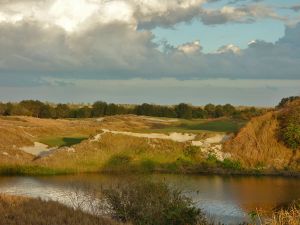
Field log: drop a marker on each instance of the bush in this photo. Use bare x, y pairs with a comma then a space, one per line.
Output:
152, 203
289, 131
148, 165
291, 135
231, 164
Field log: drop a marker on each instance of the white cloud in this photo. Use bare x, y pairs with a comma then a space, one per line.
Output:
231, 48
100, 39
242, 14
190, 48
76, 14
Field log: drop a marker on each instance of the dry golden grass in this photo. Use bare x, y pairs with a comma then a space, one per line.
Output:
16, 132
288, 215
90, 156
285, 217
24, 211
257, 145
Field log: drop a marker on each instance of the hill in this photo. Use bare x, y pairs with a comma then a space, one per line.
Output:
261, 144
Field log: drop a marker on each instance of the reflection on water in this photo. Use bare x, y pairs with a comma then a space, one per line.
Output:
228, 199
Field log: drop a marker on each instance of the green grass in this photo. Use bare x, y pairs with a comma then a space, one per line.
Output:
62, 141
226, 125
200, 126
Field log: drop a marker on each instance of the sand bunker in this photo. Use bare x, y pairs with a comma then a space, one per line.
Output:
209, 146
178, 137
38, 149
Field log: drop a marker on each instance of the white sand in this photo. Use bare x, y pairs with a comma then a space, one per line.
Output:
219, 138
178, 137
38, 149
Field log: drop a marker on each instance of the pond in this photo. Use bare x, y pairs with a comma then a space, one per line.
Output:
228, 199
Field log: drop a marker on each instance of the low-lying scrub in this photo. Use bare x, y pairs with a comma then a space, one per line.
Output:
152, 203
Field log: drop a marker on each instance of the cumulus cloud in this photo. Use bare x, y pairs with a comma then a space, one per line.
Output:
98, 39
242, 14
190, 48
75, 14
231, 48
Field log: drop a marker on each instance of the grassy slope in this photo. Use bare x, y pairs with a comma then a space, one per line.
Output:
257, 145
125, 153
23, 211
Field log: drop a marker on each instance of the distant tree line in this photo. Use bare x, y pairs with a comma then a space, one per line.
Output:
40, 109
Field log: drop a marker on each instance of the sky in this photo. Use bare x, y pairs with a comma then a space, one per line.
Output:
243, 52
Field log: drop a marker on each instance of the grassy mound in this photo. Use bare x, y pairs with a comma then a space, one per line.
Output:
259, 144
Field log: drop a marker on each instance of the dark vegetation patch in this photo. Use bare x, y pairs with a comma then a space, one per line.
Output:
225, 125
289, 122
62, 141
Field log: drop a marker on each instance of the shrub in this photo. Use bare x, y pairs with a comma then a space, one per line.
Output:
152, 203
231, 164
289, 131
148, 165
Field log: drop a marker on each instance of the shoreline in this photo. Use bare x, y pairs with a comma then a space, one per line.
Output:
36, 171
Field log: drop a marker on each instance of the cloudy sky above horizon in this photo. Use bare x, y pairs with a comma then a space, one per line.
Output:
244, 52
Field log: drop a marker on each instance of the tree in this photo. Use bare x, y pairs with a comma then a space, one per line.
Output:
32, 106
198, 112
184, 111
46, 111
84, 112
210, 109
112, 109
99, 109
62, 111
228, 110
219, 111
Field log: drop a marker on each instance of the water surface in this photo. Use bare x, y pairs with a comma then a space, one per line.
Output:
227, 199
